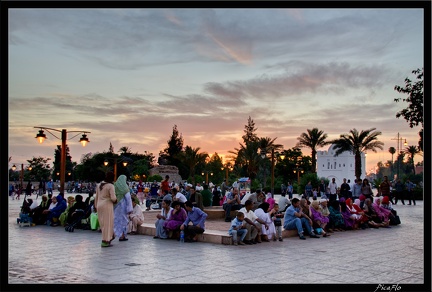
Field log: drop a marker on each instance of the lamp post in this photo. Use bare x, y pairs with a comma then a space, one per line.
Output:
298, 169
206, 175
227, 168
21, 175
399, 142
41, 137
116, 160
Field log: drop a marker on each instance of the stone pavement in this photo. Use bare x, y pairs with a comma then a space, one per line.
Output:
365, 258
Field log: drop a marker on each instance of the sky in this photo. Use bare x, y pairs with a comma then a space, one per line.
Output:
129, 75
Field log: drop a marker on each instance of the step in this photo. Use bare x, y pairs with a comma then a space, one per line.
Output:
217, 212
211, 236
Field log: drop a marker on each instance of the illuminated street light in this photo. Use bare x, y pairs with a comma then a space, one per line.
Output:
122, 159
206, 175
41, 137
399, 141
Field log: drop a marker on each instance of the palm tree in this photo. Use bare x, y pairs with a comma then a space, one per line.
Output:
357, 143
392, 151
191, 158
411, 151
312, 139
246, 157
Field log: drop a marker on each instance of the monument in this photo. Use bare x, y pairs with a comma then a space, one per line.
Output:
164, 170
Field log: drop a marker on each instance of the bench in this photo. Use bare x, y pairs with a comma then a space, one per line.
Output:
212, 236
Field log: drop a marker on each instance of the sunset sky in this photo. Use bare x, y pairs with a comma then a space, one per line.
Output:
129, 75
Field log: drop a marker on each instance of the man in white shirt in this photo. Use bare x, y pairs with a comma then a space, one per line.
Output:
333, 190
177, 196
253, 224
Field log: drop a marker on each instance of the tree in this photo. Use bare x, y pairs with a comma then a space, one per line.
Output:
249, 130
191, 158
411, 151
175, 147
392, 151
413, 114
312, 139
40, 169
266, 146
357, 143
57, 162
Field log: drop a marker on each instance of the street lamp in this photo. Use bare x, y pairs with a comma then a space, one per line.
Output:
21, 175
399, 142
298, 169
41, 137
206, 175
122, 159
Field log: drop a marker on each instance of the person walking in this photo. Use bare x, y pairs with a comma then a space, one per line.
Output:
399, 192
409, 188
104, 206
123, 208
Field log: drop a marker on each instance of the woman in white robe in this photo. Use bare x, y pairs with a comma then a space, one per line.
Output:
262, 213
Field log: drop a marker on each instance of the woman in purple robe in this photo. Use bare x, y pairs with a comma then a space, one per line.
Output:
349, 221
318, 219
177, 218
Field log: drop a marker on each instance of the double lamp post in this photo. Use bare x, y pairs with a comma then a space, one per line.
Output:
41, 137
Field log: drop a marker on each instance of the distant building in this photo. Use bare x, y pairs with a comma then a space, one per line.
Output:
339, 167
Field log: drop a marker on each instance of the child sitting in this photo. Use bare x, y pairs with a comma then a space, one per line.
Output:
237, 229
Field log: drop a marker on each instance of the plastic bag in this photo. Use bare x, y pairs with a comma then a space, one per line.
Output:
94, 222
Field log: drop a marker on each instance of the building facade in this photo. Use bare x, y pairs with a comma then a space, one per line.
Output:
339, 167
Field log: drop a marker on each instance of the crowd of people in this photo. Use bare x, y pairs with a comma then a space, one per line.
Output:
258, 219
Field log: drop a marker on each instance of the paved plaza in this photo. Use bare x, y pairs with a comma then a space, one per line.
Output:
369, 260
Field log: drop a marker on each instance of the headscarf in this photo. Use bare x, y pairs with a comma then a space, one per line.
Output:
362, 197
342, 200
357, 202
121, 187
348, 201
135, 199
385, 200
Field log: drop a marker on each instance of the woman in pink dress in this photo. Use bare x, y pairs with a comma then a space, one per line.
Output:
104, 206
177, 218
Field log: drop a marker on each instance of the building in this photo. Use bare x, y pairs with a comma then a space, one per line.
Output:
339, 167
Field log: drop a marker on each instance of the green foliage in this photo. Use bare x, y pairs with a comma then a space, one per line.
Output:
304, 179
413, 114
155, 177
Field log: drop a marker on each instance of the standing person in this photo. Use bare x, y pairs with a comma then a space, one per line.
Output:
216, 197
384, 188
399, 192
322, 189
224, 187
333, 190
165, 185
344, 189
104, 206
28, 190
197, 217
290, 190
207, 196
140, 192
366, 189
356, 189
41, 188
308, 190
409, 188
49, 186
123, 207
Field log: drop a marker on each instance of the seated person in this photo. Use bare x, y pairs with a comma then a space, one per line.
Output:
262, 213
375, 221
53, 213
386, 204
253, 224
283, 202
197, 217
349, 221
318, 219
164, 215
178, 196
232, 202
295, 219
257, 198
77, 211
337, 221
357, 214
136, 218
237, 229
64, 215
178, 216
269, 199
383, 213
38, 217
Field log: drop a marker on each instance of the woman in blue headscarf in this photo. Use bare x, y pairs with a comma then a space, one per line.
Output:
123, 208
